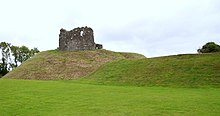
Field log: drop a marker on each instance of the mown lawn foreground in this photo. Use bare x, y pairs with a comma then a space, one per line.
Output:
28, 97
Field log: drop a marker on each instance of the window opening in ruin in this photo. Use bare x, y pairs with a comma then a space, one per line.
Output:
81, 33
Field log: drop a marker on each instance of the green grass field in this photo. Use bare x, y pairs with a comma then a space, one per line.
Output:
112, 83
37, 98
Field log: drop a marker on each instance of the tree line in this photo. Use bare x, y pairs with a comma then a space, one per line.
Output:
12, 56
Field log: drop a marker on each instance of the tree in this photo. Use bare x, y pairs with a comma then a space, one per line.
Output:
24, 54
13, 55
209, 47
34, 51
5, 52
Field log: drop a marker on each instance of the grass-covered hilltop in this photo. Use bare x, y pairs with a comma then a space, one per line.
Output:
106, 83
189, 70
107, 67
59, 65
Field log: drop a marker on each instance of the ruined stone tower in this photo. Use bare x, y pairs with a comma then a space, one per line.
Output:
77, 39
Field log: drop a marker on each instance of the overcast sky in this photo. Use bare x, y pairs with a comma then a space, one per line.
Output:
150, 27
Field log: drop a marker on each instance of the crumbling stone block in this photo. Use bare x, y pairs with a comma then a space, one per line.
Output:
98, 46
77, 39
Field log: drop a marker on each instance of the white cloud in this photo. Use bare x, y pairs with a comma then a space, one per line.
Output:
151, 27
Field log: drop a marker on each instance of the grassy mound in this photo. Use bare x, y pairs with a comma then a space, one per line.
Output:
107, 67
56, 65
179, 70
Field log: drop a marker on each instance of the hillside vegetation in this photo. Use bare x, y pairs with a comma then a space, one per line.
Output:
57, 65
179, 70
107, 67
192, 85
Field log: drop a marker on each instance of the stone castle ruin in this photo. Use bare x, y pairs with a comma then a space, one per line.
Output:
77, 39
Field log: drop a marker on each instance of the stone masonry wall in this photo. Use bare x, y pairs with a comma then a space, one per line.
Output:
77, 39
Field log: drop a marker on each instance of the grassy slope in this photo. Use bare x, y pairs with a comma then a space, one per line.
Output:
180, 70
31, 97
56, 65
